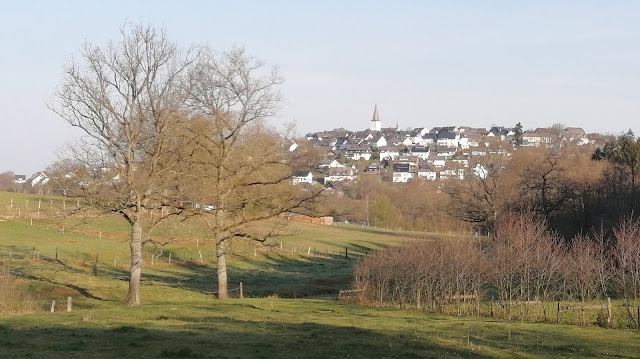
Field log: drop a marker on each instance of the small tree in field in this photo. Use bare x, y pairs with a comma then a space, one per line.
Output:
129, 100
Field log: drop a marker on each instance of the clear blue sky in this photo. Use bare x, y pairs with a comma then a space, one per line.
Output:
425, 63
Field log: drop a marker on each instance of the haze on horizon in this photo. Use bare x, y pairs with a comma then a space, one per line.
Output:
423, 63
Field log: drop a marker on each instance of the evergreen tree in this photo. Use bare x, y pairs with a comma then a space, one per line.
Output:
517, 137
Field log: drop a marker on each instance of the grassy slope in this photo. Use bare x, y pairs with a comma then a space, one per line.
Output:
179, 318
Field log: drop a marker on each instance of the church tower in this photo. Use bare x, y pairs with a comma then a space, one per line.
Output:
376, 125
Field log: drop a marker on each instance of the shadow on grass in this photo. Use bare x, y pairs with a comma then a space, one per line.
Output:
283, 276
221, 338
176, 335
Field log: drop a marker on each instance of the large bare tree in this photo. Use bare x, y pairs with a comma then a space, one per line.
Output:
244, 172
129, 99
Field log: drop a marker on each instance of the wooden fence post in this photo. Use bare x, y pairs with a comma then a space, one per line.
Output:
608, 312
69, 304
241, 292
346, 252
169, 257
200, 253
56, 253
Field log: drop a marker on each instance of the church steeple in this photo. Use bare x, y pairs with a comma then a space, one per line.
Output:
376, 125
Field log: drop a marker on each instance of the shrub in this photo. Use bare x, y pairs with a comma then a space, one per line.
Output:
13, 297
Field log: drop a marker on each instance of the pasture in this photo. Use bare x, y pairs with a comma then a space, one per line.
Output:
289, 309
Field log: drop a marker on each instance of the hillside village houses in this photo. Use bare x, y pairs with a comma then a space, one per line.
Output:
435, 154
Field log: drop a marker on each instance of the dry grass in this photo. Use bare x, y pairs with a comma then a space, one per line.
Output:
14, 298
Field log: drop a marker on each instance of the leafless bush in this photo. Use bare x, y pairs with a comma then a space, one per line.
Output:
13, 298
523, 269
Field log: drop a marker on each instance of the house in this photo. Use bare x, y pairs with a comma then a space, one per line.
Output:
373, 168
501, 132
411, 160
452, 170
401, 173
329, 163
471, 131
389, 152
417, 133
378, 141
427, 172
421, 152
448, 139
461, 159
438, 161
574, 133
40, 178
464, 142
427, 139
447, 151
302, 177
339, 175
356, 152
19, 179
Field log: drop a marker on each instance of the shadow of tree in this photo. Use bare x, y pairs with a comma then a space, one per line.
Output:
215, 337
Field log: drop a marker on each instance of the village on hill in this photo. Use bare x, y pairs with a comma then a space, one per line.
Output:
430, 154
400, 155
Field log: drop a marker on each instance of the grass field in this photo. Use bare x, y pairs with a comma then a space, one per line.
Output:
290, 312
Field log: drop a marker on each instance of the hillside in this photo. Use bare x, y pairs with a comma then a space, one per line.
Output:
180, 317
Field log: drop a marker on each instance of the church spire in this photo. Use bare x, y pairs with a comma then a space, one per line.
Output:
376, 125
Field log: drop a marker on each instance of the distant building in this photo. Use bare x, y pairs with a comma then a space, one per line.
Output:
376, 124
302, 177
19, 179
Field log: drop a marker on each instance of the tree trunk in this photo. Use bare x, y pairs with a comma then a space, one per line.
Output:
133, 297
221, 255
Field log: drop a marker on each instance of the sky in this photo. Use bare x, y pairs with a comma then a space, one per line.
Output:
424, 63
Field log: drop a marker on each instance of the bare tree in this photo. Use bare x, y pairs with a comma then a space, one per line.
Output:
129, 99
244, 172
484, 193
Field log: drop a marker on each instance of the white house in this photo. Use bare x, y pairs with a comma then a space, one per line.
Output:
427, 172
448, 139
421, 152
329, 164
40, 178
427, 139
302, 177
438, 161
447, 151
378, 141
19, 179
389, 152
358, 152
401, 173
339, 175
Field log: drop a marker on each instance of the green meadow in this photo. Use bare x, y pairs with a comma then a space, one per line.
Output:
289, 309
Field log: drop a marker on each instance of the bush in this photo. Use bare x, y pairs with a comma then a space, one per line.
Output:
13, 298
